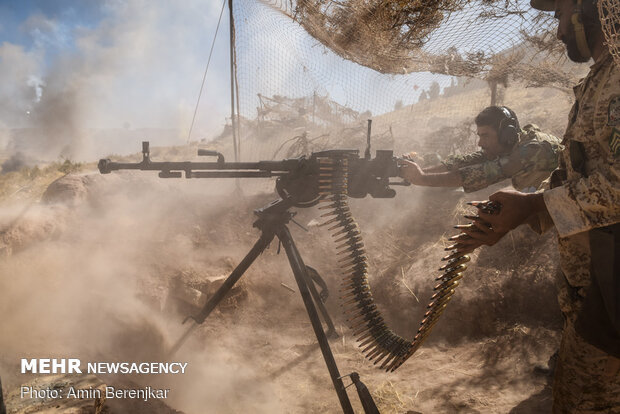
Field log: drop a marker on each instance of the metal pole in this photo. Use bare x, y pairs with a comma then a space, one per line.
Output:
232, 79
301, 276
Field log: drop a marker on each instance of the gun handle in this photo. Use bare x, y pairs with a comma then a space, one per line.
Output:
210, 153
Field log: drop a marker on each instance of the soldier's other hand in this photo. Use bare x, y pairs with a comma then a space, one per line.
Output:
464, 248
482, 233
410, 171
410, 156
464, 243
516, 208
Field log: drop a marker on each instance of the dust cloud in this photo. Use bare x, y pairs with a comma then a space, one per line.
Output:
87, 274
90, 273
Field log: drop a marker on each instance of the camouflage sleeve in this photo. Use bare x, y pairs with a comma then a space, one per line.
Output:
478, 176
454, 162
584, 203
542, 222
526, 156
482, 174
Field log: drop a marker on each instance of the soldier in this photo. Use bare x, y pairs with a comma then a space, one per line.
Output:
527, 156
583, 204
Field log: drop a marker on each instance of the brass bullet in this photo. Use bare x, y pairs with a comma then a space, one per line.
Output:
456, 261
446, 283
451, 256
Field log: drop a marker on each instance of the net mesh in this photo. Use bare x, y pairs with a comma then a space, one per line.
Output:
311, 72
456, 37
609, 12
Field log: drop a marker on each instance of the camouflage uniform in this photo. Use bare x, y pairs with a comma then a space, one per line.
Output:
585, 196
2, 407
529, 163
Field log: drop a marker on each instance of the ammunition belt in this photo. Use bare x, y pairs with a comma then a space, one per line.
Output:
377, 341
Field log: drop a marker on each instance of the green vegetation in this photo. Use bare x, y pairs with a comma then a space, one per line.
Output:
29, 183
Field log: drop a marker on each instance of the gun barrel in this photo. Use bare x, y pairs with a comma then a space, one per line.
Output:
169, 169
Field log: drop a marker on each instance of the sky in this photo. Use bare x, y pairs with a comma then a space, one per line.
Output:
112, 64
69, 67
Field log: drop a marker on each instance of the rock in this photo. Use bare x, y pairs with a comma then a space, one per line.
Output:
185, 299
35, 224
70, 189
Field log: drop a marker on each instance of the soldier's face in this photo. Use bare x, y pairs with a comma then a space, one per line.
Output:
489, 141
564, 10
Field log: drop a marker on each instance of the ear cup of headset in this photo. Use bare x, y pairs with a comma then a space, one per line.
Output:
580, 32
508, 134
509, 129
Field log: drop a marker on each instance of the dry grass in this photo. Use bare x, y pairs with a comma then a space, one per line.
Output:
29, 183
390, 399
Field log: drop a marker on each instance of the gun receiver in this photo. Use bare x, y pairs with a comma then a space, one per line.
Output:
297, 178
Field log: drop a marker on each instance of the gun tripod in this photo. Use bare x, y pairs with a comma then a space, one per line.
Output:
272, 222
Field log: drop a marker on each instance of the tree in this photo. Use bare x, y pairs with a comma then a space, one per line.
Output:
434, 91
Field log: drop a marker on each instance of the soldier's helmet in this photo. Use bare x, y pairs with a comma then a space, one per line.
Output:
544, 5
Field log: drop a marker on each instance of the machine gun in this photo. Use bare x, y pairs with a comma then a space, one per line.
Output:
326, 177
298, 179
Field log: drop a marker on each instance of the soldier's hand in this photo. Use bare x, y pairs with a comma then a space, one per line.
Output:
410, 171
410, 156
474, 235
516, 208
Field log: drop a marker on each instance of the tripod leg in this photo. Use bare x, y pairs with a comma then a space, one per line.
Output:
228, 284
301, 276
331, 329
234, 277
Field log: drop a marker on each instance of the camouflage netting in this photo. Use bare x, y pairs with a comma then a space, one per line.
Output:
310, 73
453, 37
609, 11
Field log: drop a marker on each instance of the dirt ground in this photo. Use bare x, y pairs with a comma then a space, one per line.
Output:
104, 269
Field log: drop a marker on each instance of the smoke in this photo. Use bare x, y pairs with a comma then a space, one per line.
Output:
14, 163
18, 97
87, 278
139, 66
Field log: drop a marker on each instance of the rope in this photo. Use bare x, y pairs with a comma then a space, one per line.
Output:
204, 77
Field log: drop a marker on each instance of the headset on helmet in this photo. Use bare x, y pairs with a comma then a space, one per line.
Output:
508, 133
576, 19
544, 5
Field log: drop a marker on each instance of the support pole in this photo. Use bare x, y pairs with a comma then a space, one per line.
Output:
233, 118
